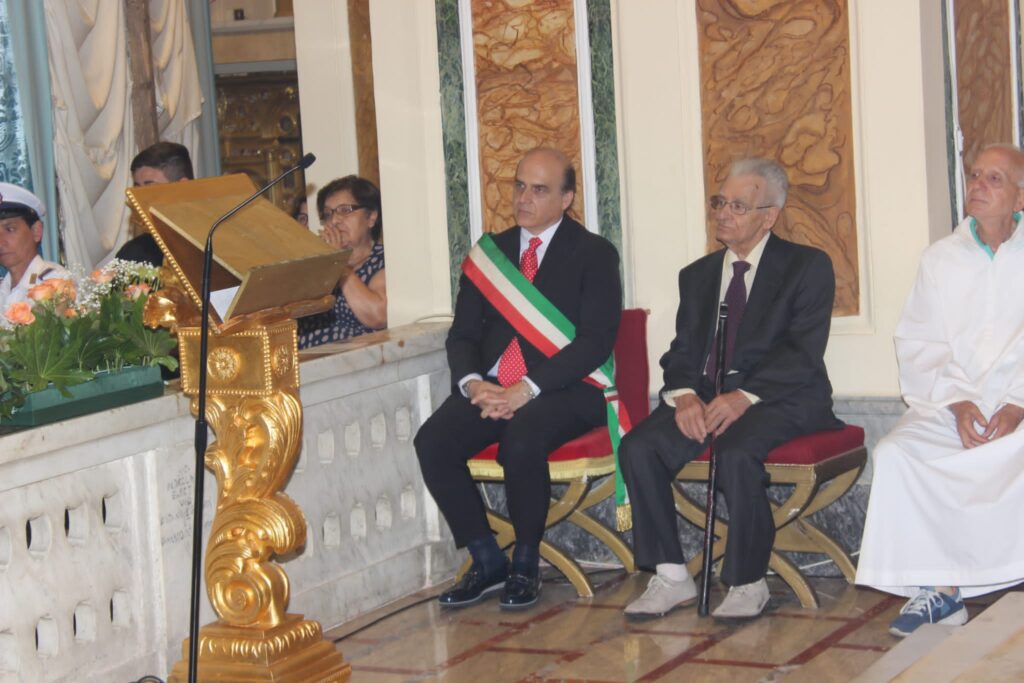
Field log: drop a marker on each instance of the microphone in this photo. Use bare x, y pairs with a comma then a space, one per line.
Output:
201, 426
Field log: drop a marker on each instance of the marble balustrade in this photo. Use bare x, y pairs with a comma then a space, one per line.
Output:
96, 515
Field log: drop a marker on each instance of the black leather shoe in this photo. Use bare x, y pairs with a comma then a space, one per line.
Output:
521, 590
474, 586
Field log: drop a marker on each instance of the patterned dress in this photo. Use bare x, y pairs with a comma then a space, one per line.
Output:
340, 322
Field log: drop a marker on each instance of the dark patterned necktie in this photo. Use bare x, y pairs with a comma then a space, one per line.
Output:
736, 300
512, 366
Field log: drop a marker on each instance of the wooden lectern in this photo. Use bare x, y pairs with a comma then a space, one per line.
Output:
269, 270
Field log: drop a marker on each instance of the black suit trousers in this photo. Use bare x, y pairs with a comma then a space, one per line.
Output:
456, 432
654, 452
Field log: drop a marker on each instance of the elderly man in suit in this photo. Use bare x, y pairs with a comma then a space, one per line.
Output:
506, 388
776, 388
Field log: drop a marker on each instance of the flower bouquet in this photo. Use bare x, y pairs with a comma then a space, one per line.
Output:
73, 332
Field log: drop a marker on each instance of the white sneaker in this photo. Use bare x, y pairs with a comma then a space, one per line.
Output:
662, 596
744, 602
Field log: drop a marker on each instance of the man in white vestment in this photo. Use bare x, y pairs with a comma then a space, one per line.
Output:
949, 479
21, 230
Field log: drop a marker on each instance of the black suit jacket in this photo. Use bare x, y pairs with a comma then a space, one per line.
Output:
780, 346
579, 274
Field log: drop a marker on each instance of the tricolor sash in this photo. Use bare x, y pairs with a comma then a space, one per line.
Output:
536, 319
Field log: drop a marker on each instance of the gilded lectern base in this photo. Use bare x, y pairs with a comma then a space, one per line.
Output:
293, 652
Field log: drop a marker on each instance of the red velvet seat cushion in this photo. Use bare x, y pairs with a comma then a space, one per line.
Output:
593, 444
631, 379
811, 449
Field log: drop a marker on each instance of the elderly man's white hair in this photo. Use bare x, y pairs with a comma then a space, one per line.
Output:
771, 171
1016, 153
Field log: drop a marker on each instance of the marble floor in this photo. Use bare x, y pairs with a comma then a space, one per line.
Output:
567, 639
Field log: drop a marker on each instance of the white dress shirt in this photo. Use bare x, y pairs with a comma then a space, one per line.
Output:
525, 236
753, 258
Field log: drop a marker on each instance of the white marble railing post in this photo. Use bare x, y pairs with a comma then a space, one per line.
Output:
95, 516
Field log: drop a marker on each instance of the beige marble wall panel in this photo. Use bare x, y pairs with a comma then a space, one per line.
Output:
775, 82
983, 70
362, 86
525, 59
254, 46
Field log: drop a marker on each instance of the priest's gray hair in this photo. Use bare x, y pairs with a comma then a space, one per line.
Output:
1018, 158
775, 176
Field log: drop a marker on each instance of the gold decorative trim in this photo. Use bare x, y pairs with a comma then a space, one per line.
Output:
253, 408
561, 471
179, 274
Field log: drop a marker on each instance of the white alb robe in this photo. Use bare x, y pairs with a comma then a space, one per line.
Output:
940, 514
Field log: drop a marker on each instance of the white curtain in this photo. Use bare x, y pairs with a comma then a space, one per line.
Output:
179, 100
92, 123
93, 132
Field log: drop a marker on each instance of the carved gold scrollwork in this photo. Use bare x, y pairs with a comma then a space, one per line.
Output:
258, 440
257, 421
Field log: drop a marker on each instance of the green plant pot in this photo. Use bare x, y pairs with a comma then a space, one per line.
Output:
105, 391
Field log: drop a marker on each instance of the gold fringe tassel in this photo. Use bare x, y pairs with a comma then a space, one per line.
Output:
623, 517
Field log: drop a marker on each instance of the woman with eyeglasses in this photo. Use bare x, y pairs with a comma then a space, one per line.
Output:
350, 217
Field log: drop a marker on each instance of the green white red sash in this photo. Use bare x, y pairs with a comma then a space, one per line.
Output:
538, 320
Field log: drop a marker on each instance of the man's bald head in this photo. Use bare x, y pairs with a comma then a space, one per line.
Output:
544, 188
1013, 155
995, 186
557, 157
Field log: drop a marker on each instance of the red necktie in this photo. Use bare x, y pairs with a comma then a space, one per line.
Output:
512, 366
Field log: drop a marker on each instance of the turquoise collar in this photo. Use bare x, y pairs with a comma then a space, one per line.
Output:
974, 233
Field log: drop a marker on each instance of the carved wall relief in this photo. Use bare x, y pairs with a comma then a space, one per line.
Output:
525, 61
775, 82
984, 76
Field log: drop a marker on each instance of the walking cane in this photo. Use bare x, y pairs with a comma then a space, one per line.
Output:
709, 515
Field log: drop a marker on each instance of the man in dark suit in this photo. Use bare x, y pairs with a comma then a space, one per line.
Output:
163, 162
530, 414
776, 388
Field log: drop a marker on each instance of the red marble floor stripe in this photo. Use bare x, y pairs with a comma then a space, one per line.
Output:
680, 659
390, 670
813, 617
843, 631
665, 632
605, 606
855, 646
733, 662
532, 650
493, 641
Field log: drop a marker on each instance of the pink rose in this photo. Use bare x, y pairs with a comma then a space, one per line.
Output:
20, 314
44, 291
63, 286
101, 276
135, 291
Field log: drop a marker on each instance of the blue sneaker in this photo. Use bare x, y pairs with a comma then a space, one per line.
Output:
929, 606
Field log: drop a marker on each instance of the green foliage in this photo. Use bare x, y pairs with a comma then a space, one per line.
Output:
71, 340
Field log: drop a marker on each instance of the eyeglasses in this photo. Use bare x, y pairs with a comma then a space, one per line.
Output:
993, 179
718, 202
341, 210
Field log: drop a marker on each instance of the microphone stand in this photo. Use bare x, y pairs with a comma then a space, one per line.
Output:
201, 426
709, 516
